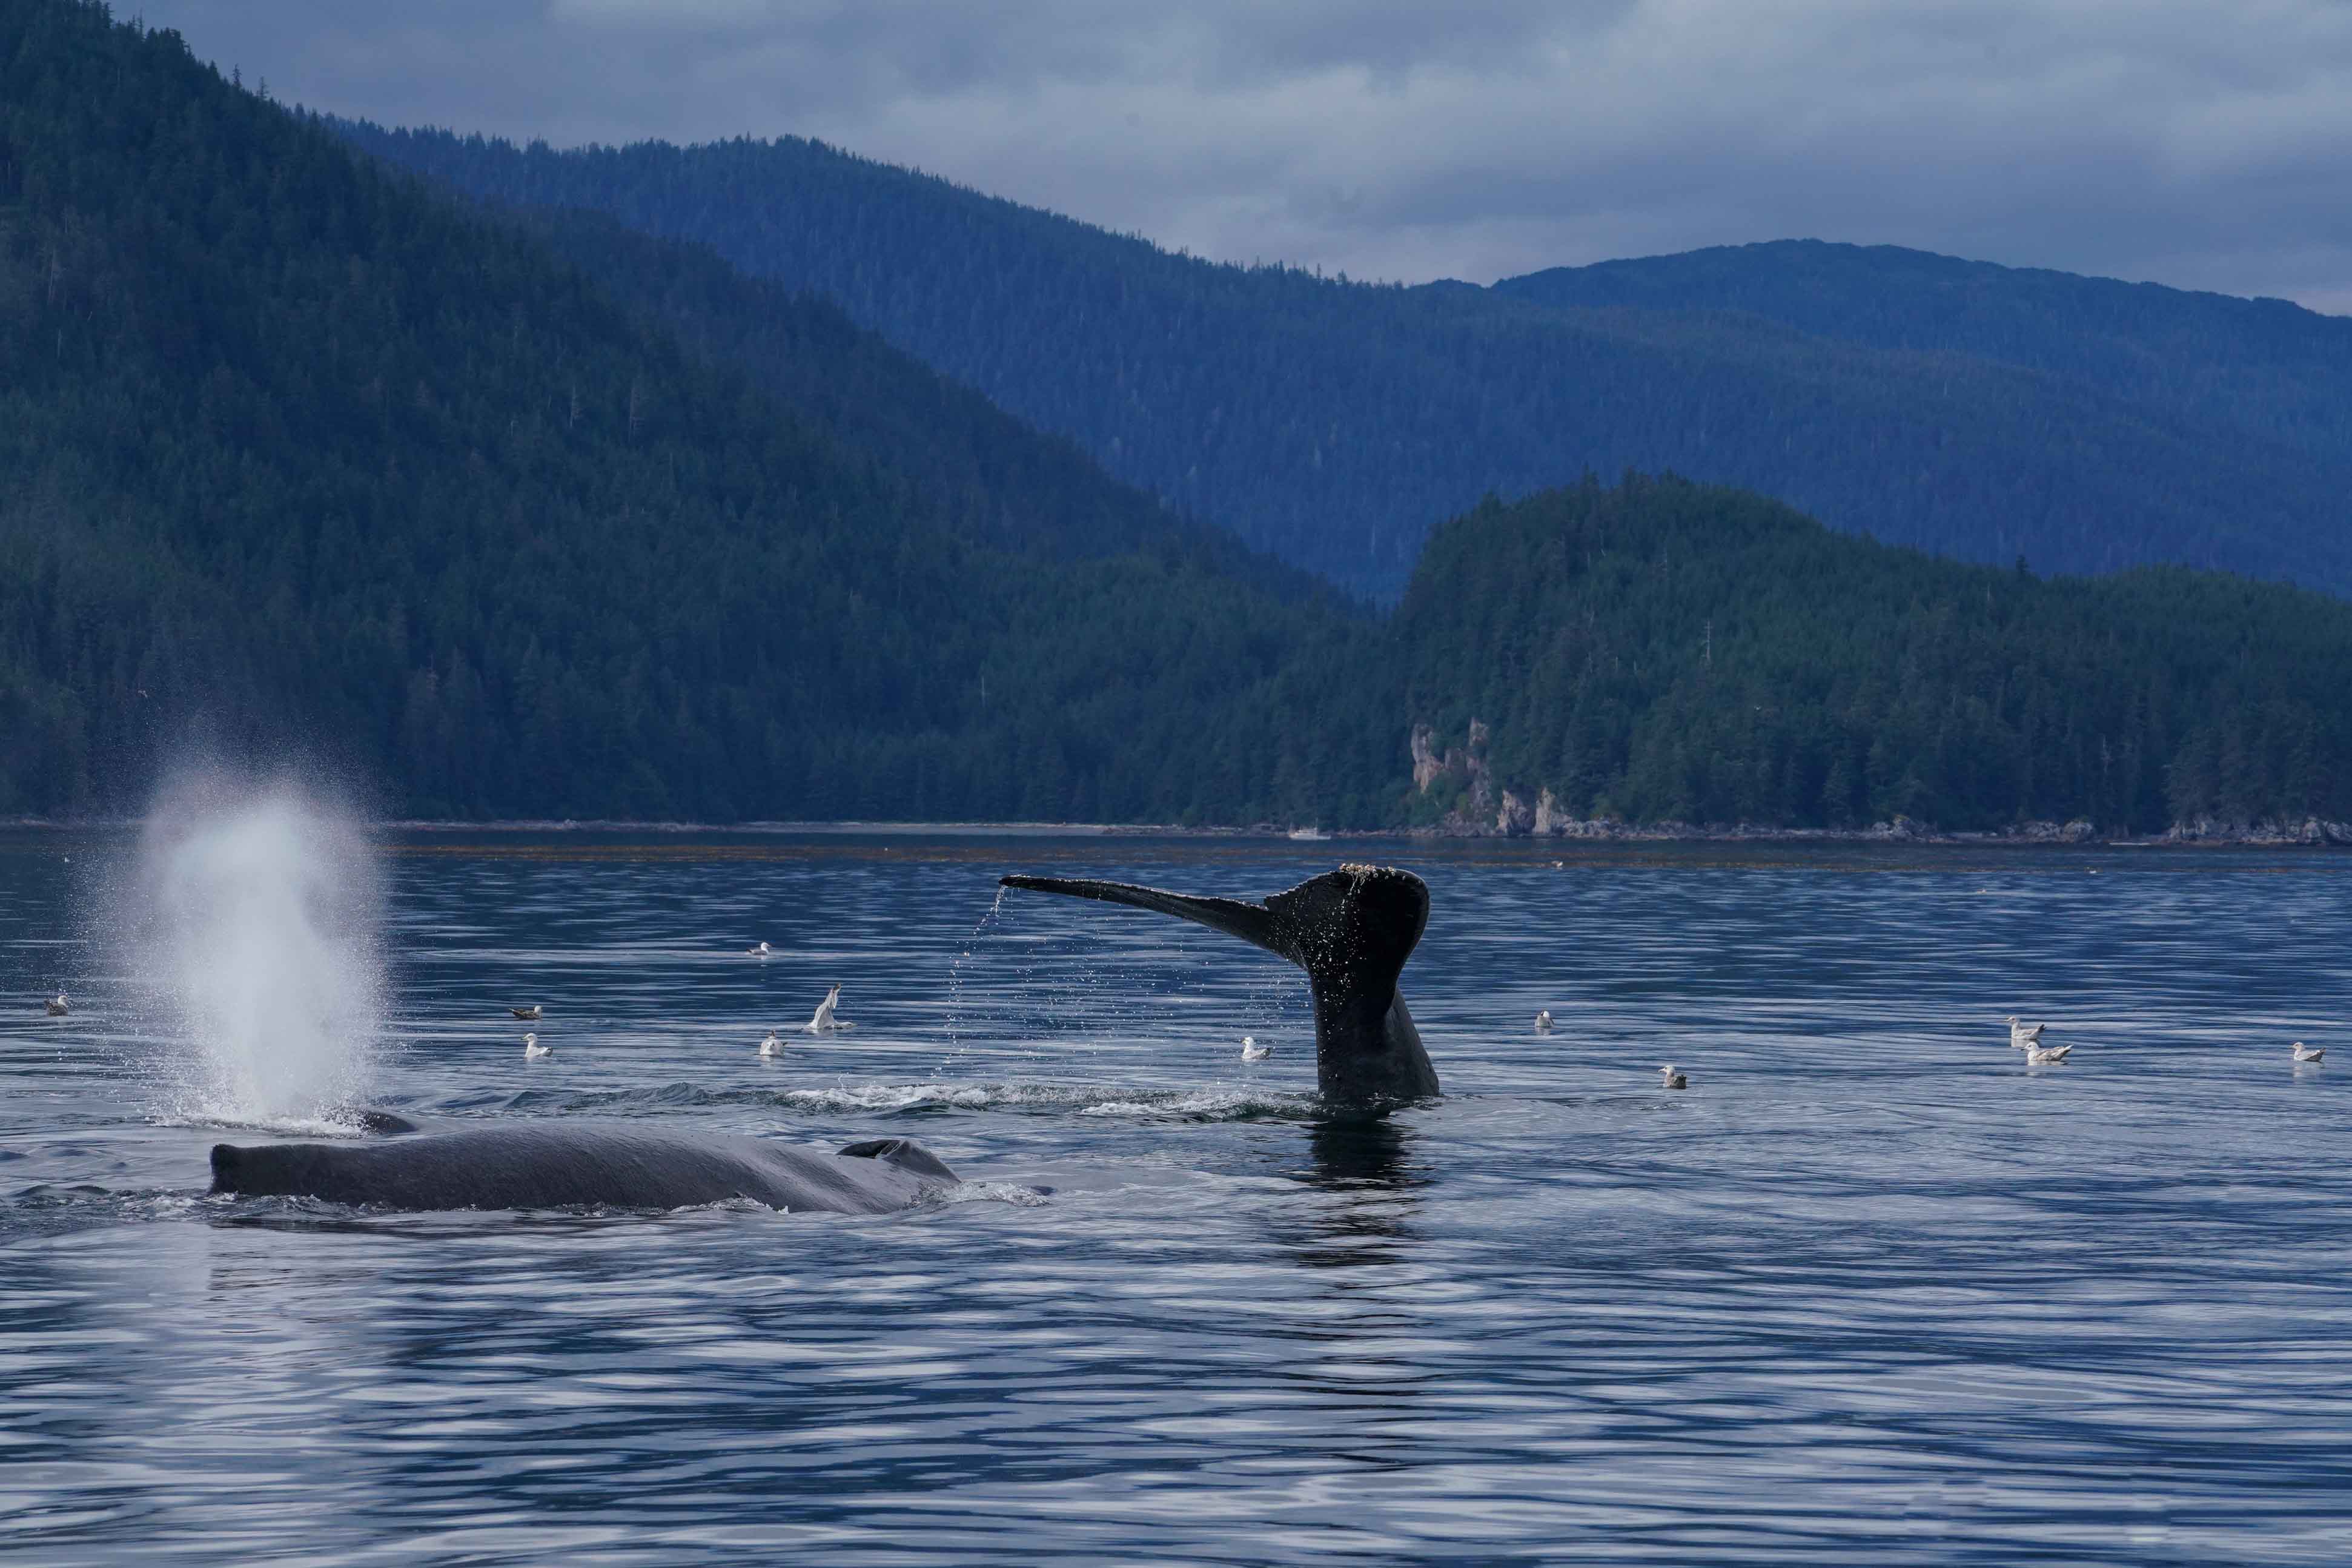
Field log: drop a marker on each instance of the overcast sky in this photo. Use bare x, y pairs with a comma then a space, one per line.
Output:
2195, 142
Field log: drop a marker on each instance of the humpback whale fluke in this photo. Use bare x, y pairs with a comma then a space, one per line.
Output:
1351, 930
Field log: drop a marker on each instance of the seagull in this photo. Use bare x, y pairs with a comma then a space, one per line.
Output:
2044, 1055
530, 1012
532, 1050
822, 1021
761, 951
1543, 1021
771, 1046
2304, 1054
57, 1006
2024, 1037
1253, 1051
1673, 1076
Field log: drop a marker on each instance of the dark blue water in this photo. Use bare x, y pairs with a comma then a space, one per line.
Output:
1870, 1290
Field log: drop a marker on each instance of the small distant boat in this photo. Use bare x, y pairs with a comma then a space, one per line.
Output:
1671, 1077
1253, 1051
56, 1005
530, 1012
2305, 1053
1309, 835
532, 1050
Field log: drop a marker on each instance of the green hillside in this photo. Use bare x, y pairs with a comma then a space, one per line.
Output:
293, 454
520, 514
1335, 423
1662, 650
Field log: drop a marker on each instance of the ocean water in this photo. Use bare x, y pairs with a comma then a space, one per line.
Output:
1870, 1290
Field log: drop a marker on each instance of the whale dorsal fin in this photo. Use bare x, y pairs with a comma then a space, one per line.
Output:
905, 1153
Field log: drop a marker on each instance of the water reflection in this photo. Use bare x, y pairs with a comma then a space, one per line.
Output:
1354, 1151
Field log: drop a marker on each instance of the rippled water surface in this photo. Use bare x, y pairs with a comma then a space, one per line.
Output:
1869, 1290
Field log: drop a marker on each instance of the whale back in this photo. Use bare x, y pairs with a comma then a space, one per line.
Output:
1351, 930
563, 1165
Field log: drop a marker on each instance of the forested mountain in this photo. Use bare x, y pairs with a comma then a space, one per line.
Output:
522, 514
289, 448
984, 473
2271, 370
1664, 650
1334, 423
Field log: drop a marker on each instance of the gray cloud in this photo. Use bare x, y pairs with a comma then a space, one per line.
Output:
2177, 141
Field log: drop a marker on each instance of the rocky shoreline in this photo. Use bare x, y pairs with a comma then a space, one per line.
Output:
1483, 811
2311, 832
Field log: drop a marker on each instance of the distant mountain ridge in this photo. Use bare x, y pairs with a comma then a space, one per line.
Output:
1335, 423
2269, 367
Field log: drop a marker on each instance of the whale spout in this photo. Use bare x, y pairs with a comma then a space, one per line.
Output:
1351, 930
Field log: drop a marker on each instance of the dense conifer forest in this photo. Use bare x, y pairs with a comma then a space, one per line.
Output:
293, 452
1664, 650
1977, 412
523, 514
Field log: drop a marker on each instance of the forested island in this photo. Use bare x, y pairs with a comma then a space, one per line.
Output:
512, 512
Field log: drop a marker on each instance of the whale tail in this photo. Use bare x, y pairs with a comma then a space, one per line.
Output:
1351, 930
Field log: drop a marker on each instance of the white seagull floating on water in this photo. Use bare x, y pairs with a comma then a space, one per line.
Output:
760, 951
2024, 1037
822, 1021
2304, 1054
57, 1008
1673, 1077
1253, 1051
771, 1046
2044, 1055
1543, 1021
532, 1050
